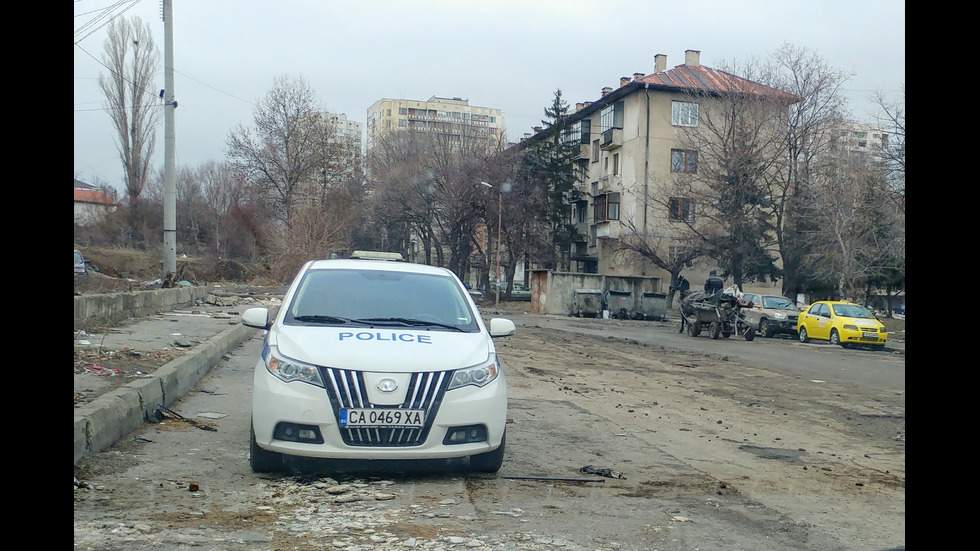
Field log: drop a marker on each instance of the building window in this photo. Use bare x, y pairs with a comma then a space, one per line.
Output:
592, 235
403, 111
612, 116
586, 127
595, 151
402, 122
616, 164
681, 209
684, 113
581, 208
595, 188
605, 207
682, 160
388, 112
676, 254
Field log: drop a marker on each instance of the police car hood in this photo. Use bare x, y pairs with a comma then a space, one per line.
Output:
382, 349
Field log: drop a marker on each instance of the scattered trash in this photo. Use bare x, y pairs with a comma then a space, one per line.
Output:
608, 473
554, 478
96, 369
164, 412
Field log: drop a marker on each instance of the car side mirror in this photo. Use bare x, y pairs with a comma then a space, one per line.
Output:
256, 317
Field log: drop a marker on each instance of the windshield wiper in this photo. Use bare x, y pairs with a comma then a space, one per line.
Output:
319, 318
412, 322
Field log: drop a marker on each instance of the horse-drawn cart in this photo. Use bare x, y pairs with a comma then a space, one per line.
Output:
721, 314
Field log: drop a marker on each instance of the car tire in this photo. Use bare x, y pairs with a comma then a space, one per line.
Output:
804, 338
877, 347
835, 339
489, 462
262, 460
765, 329
750, 334
714, 330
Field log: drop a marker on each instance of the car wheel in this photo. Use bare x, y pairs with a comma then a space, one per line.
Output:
489, 462
749, 334
803, 336
261, 460
714, 330
835, 338
765, 329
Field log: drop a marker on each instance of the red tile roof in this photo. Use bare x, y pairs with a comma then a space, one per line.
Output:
92, 196
711, 80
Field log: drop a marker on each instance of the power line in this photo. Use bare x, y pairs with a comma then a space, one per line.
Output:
103, 18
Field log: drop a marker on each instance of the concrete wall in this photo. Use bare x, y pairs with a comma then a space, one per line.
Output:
114, 308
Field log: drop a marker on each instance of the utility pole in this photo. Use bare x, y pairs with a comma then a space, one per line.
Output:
170, 165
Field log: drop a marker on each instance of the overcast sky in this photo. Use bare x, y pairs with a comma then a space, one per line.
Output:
505, 54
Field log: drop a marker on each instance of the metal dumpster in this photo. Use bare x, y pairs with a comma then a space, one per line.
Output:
653, 306
586, 302
619, 304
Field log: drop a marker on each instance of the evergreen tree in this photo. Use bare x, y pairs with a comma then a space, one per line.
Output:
548, 163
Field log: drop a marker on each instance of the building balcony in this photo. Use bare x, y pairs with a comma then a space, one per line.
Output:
611, 139
610, 182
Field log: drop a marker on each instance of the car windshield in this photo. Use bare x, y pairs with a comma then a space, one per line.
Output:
380, 298
778, 303
851, 311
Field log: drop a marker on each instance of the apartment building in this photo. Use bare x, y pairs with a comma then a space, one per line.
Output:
450, 119
869, 140
350, 135
633, 142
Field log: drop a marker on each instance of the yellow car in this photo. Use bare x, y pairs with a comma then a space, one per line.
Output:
842, 323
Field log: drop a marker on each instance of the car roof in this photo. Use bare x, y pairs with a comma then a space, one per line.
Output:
380, 265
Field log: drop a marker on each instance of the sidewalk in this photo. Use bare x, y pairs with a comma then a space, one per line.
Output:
197, 336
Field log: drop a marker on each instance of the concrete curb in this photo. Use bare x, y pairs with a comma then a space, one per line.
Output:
107, 419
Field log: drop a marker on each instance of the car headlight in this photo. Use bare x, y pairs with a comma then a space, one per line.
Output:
850, 327
779, 315
480, 375
290, 370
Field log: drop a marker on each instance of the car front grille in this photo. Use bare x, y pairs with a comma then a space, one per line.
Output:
346, 389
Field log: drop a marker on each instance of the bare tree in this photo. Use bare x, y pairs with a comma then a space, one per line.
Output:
740, 145
855, 242
133, 61
892, 115
283, 150
811, 126
426, 188
217, 188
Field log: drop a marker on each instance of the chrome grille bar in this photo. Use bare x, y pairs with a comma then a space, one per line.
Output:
345, 389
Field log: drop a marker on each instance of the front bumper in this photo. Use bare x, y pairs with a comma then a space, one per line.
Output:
275, 403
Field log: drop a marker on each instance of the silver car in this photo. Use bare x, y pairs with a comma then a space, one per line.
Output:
770, 314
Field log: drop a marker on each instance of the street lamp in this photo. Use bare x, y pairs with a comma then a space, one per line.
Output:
500, 210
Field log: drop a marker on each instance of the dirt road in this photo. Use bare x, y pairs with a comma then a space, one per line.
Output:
713, 454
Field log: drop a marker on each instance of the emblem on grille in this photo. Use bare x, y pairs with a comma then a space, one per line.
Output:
387, 385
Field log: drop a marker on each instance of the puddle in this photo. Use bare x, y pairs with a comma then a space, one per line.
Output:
777, 454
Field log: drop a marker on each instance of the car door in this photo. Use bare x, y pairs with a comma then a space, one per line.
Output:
819, 326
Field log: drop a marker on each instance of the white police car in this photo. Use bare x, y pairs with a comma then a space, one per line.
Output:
377, 360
